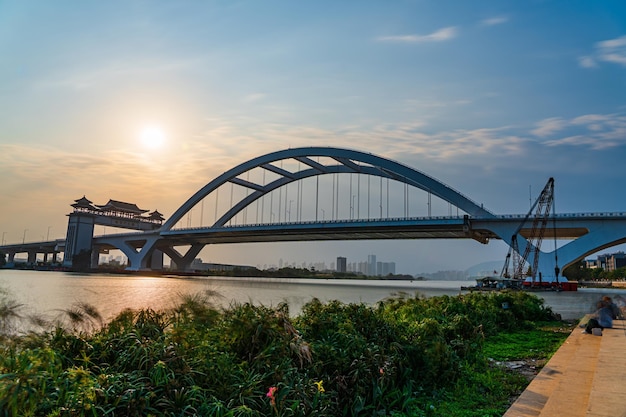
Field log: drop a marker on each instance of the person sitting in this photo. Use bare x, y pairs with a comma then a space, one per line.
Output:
616, 313
602, 318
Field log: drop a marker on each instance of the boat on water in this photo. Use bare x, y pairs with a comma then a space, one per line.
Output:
493, 283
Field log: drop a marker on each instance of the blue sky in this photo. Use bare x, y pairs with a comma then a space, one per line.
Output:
490, 97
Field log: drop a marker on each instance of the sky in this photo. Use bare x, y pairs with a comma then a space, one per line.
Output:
489, 97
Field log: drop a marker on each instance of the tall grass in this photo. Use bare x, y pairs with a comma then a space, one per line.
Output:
404, 356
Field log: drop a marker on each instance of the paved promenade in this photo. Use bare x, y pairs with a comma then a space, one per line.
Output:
585, 377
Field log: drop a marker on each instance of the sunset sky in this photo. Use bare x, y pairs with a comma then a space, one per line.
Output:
490, 97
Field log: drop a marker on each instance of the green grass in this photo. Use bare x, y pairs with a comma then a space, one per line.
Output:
538, 343
406, 356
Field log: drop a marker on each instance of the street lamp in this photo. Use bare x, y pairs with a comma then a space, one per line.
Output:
24, 236
323, 214
48, 234
3, 233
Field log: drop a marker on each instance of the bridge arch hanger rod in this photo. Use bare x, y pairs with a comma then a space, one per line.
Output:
348, 161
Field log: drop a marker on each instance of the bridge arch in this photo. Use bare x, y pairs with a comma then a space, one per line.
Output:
344, 161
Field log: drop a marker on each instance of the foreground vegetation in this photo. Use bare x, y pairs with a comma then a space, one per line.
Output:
405, 356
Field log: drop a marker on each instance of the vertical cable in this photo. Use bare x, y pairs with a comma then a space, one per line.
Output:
263, 200
280, 196
217, 196
387, 197
231, 206
368, 196
381, 198
332, 206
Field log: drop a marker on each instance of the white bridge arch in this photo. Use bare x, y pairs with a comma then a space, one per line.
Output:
347, 161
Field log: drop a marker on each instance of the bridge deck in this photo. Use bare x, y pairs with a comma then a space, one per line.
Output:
584, 378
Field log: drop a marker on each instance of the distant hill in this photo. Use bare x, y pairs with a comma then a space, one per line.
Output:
478, 270
443, 275
485, 268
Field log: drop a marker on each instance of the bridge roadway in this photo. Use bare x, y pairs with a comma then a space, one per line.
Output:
568, 226
596, 231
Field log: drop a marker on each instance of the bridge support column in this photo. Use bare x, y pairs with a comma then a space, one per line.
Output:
156, 260
183, 262
32, 257
79, 236
95, 257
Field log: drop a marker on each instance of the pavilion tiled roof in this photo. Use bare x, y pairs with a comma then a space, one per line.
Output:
83, 203
120, 206
155, 215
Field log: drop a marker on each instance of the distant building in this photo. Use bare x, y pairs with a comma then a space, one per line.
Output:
198, 265
608, 261
371, 265
342, 264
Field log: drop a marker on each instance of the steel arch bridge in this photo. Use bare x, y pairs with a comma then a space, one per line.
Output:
347, 162
476, 223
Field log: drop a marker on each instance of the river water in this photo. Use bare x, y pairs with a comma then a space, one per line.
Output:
47, 293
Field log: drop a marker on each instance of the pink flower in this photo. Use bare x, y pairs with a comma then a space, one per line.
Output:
271, 396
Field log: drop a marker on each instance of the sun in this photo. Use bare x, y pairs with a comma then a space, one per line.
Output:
152, 137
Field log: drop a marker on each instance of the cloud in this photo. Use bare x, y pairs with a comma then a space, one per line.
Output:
587, 62
496, 20
88, 75
440, 35
58, 177
548, 126
253, 97
594, 131
611, 51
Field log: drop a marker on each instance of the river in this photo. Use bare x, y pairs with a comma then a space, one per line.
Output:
47, 293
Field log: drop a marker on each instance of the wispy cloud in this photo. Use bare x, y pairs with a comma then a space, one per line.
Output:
587, 62
496, 20
131, 177
253, 97
548, 126
440, 35
92, 74
611, 50
594, 131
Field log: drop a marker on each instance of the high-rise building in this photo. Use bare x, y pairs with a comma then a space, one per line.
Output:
371, 265
342, 264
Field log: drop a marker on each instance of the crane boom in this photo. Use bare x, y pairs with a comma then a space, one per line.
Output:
543, 204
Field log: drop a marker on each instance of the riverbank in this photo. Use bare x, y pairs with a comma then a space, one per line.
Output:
408, 356
583, 378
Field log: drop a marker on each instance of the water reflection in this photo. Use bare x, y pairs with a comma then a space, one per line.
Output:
50, 292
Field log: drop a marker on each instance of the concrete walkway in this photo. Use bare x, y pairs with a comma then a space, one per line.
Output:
585, 377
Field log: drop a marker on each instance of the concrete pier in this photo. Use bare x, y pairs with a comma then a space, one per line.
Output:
585, 377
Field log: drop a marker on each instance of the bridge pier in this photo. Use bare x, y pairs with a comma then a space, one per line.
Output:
183, 262
32, 257
79, 237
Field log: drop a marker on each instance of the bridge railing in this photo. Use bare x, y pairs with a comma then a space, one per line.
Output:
392, 219
568, 215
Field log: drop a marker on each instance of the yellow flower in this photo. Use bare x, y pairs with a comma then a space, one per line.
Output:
320, 387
